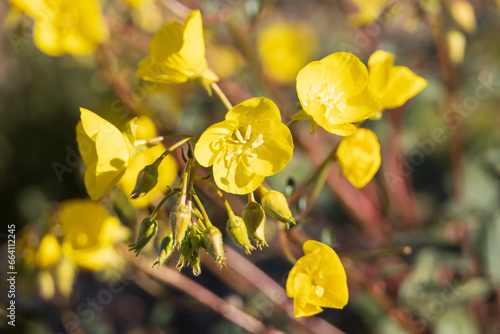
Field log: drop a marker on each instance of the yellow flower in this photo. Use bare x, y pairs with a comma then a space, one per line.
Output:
105, 150
167, 171
177, 54
359, 157
48, 253
317, 280
285, 48
249, 145
335, 92
75, 26
89, 233
394, 85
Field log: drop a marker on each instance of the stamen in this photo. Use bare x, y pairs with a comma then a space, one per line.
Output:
237, 152
240, 137
250, 154
259, 141
248, 133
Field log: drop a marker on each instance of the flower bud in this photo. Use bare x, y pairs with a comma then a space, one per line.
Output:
147, 230
184, 254
275, 205
254, 219
180, 218
212, 242
238, 231
165, 250
146, 180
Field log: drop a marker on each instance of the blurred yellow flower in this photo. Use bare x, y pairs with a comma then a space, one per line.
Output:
335, 92
359, 157
177, 54
368, 11
89, 233
394, 85
75, 26
134, 3
105, 151
249, 145
167, 171
456, 45
285, 48
317, 280
48, 252
463, 13
224, 59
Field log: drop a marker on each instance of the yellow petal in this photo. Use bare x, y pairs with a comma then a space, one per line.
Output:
48, 252
359, 157
236, 178
302, 306
393, 84
104, 150
211, 142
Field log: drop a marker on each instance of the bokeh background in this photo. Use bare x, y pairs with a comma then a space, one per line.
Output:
437, 191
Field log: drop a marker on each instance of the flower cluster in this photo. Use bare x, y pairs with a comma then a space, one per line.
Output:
338, 93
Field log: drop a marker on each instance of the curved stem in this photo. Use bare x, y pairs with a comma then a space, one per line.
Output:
169, 194
219, 193
221, 95
203, 211
171, 148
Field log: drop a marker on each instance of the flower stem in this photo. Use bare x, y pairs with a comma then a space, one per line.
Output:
169, 194
202, 209
219, 193
185, 180
171, 148
221, 95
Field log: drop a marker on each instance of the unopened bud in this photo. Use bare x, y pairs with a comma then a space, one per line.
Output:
180, 218
146, 180
212, 242
165, 250
238, 231
275, 205
184, 254
147, 230
254, 219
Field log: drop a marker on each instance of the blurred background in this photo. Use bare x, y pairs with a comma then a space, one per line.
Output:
436, 193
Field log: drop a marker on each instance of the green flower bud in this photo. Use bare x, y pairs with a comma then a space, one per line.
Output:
254, 219
184, 254
275, 205
180, 219
195, 263
212, 242
238, 231
147, 230
146, 180
165, 250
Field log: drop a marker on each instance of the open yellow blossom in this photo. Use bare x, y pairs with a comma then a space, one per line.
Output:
394, 85
105, 150
359, 157
167, 170
317, 280
177, 54
75, 26
250, 144
334, 91
285, 47
89, 233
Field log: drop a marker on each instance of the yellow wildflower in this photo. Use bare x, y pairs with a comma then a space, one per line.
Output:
285, 48
177, 54
335, 92
249, 145
394, 85
317, 280
359, 157
105, 150
48, 252
75, 26
167, 170
89, 233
